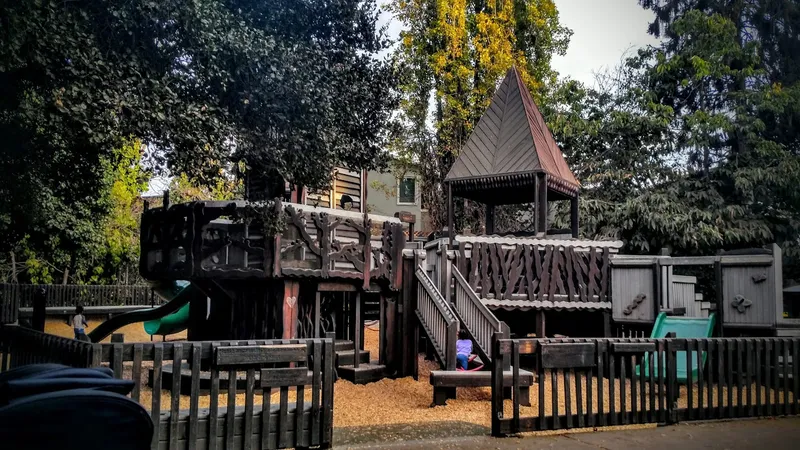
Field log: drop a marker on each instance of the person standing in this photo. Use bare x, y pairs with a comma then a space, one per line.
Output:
79, 324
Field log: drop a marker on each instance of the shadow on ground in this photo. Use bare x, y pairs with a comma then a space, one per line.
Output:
404, 432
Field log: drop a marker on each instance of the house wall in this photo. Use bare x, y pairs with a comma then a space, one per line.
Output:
382, 197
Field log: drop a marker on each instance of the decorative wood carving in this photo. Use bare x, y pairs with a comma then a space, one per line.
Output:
741, 304
634, 304
760, 277
537, 273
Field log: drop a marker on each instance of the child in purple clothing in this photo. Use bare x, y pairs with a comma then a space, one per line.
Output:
463, 349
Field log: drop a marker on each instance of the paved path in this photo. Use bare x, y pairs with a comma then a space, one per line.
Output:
764, 434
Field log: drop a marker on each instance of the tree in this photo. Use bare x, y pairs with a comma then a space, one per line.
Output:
691, 150
455, 53
292, 87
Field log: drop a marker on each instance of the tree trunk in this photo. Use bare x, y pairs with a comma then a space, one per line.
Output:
69, 268
13, 267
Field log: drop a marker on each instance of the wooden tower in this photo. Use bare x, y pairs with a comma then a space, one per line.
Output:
511, 158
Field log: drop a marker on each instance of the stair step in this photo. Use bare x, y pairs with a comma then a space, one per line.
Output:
343, 346
345, 358
365, 373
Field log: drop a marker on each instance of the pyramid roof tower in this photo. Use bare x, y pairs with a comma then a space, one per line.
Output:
511, 153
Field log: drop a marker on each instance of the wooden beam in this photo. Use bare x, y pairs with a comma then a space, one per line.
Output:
541, 203
359, 328
574, 216
540, 324
489, 219
291, 290
450, 231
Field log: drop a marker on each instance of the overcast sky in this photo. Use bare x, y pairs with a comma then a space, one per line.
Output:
603, 30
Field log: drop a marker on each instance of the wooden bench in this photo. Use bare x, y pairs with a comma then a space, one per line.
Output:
445, 382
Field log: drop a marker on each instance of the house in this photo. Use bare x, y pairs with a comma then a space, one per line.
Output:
388, 195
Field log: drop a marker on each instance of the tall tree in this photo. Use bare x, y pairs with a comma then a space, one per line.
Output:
455, 53
287, 86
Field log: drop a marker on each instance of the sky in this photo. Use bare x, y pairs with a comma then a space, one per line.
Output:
603, 31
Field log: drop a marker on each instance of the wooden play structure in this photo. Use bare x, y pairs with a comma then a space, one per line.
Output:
280, 286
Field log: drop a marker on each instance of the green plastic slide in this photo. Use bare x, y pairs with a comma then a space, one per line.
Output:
176, 321
683, 327
168, 318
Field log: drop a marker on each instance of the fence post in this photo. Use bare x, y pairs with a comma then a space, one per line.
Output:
39, 309
672, 380
506, 332
450, 352
497, 384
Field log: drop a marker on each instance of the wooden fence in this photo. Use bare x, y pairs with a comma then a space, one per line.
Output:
67, 295
199, 409
21, 346
605, 382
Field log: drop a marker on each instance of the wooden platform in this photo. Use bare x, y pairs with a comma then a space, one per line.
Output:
363, 374
445, 382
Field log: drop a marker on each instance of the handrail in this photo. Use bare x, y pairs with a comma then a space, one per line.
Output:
438, 319
479, 321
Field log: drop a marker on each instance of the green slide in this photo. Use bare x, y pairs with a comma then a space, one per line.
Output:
174, 322
683, 327
171, 317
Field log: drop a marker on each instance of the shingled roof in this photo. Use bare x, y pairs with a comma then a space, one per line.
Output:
508, 147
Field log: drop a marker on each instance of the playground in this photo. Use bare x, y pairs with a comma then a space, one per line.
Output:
278, 329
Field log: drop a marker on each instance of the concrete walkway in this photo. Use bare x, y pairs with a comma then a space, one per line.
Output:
763, 434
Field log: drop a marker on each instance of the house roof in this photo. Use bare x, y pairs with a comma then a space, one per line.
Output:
508, 147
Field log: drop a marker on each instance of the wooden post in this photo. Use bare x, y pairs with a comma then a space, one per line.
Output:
317, 311
541, 203
720, 300
777, 274
359, 328
406, 311
489, 219
497, 384
573, 215
450, 230
39, 309
540, 324
117, 337
389, 333
606, 324
291, 290
446, 273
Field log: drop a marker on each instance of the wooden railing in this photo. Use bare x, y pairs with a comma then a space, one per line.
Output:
68, 295
21, 346
9, 309
303, 369
546, 272
438, 320
476, 317
608, 382
192, 240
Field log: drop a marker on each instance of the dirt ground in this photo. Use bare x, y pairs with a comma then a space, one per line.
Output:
404, 400
133, 333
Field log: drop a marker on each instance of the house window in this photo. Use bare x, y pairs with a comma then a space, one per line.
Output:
407, 191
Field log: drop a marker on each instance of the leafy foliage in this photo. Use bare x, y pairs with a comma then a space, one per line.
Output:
286, 86
692, 149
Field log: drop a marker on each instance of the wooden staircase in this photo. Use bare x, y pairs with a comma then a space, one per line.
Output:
367, 371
